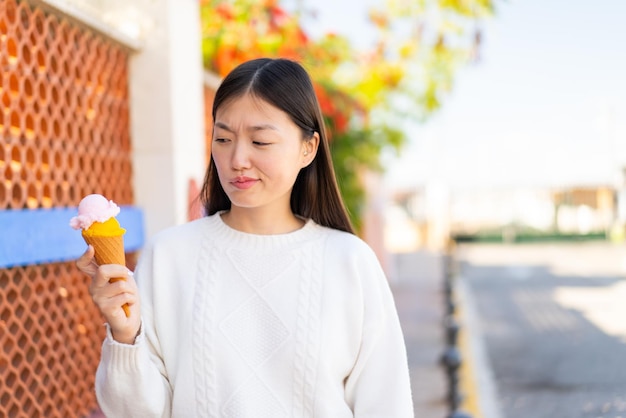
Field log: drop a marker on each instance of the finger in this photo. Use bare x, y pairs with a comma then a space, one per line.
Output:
120, 300
107, 272
112, 306
86, 262
103, 293
119, 285
123, 319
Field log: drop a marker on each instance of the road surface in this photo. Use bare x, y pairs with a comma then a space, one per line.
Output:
553, 321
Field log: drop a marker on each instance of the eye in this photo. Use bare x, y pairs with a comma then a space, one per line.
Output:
261, 143
221, 140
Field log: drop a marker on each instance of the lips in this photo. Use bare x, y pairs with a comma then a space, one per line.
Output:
243, 182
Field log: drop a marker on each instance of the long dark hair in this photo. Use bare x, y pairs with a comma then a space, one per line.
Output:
286, 85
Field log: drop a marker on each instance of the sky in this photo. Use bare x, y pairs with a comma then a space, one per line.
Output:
544, 106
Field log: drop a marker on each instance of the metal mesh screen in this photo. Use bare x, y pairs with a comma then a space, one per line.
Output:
64, 133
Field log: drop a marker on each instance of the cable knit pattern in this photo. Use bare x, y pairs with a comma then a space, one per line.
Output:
307, 337
203, 331
298, 325
255, 344
254, 399
261, 269
254, 329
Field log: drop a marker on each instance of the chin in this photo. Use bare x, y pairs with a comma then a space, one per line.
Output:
243, 204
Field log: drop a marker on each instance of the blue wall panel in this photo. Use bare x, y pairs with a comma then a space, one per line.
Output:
44, 235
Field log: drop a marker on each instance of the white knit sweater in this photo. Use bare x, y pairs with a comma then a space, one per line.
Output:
237, 325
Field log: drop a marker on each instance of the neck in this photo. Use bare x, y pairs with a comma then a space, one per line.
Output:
259, 222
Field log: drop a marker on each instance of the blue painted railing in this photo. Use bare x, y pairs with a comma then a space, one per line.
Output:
44, 235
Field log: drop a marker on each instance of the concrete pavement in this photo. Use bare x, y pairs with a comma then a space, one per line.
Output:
417, 283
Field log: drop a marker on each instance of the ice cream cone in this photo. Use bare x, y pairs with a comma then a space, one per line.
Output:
109, 249
101, 230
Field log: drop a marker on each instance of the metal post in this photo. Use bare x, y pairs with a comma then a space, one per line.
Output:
452, 358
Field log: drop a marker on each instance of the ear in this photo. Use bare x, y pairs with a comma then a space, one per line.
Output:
309, 149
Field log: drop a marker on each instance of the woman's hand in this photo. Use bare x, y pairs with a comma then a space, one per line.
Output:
110, 297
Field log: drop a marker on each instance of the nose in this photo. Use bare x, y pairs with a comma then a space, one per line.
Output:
240, 159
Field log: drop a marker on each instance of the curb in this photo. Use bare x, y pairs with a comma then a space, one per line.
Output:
476, 379
471, 389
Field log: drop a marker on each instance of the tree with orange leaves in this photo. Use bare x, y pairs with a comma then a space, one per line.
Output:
364, 95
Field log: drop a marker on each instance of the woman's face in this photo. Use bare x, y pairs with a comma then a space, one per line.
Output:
258, 152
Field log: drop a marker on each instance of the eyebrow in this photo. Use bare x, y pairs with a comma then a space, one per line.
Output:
262, 127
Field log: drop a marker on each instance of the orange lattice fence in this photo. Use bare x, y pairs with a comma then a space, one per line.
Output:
64, 133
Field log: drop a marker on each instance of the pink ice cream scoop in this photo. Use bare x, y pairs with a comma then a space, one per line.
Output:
94, 208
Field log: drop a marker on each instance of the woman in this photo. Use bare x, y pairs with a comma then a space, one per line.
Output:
269, 306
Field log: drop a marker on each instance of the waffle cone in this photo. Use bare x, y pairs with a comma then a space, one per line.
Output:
109, 250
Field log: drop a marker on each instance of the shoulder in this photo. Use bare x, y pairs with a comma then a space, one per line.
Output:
344, 248
351, 267
186, 234
174, 248
346, 244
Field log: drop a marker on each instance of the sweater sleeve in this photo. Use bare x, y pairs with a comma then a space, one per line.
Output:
131, 380
379, 383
